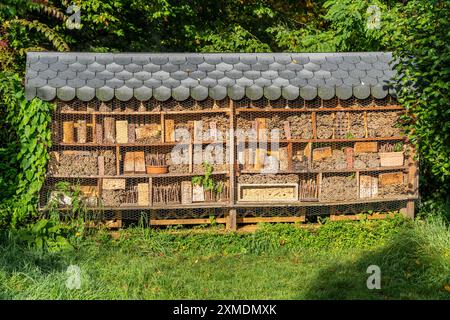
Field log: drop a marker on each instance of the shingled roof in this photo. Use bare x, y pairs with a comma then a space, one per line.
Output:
105, 76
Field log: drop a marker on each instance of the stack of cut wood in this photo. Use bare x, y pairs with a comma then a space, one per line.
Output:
357, 129
338, 188
383, 124
301, 126
73, 163
325, 125
367, 160
337, 160
148, 133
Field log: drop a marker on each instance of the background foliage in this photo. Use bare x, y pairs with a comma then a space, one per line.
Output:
416, 30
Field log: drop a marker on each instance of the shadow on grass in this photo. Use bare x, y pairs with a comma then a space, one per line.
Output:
410, 269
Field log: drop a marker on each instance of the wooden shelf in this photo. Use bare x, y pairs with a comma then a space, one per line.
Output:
226, 204
134, 176
200, 205
319, 203
142, 113
330, 170
151, 144
325, 140
281, 110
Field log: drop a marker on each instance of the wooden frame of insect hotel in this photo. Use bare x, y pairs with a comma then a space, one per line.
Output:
232, 138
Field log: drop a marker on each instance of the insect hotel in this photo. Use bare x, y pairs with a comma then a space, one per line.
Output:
185, 138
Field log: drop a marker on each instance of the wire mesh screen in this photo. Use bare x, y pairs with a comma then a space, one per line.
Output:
195, 159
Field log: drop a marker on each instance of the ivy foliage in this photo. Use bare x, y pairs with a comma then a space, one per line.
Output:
25, 139
423, 87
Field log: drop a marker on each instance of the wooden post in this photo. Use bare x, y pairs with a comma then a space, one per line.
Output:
314, 124
232, 220
412, 182
231, 159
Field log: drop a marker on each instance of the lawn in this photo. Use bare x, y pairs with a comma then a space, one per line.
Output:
276, 262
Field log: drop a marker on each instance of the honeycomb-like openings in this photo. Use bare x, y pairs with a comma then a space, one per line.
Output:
172, 160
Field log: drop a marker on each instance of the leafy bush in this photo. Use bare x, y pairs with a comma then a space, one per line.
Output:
23, 154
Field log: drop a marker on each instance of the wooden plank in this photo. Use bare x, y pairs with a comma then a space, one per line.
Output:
198, 131
361, 147
270, 219
169, 127
314, 124
166, 222
131, 133
143, 194
99, 134
77, 153
322, 153
365, 186
114, 184
186, 192
390, 178
150, 191
198, 193
81, 129
109, 130
353, 217
101, 165
122, 131
349, 157
68, 132
139, 162
287, 130
128, 164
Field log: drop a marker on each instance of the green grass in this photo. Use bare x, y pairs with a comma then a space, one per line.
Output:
277, 262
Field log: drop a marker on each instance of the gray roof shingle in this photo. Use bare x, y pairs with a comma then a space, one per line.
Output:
180, 76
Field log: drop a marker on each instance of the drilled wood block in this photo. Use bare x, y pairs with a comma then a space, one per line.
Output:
113, 184
267, 192
143, 194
